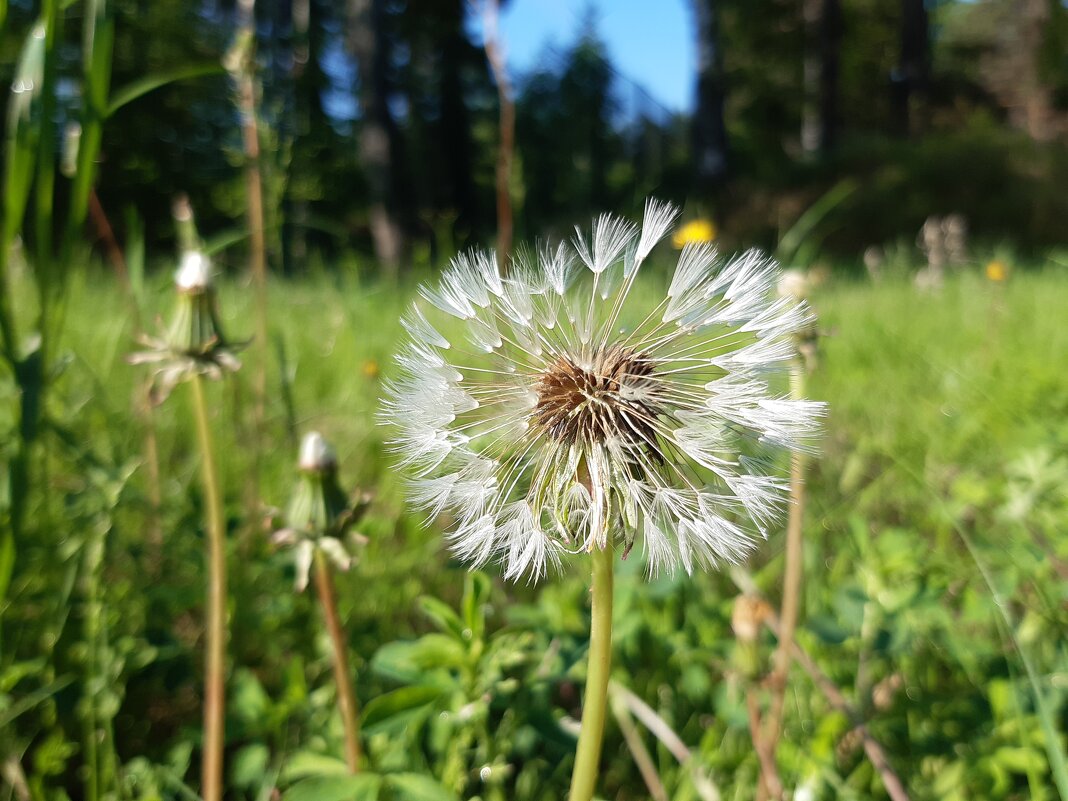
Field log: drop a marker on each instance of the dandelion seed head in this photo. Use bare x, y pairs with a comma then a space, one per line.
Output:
566, 406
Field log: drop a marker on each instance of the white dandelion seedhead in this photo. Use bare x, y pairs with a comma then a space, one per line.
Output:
561, 408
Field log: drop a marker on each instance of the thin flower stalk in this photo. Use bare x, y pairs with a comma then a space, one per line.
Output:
215, 654
595, 701
794, 284
348, 706
191, 350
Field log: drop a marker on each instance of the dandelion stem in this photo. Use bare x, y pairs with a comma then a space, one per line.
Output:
215, 658
346, 697
588, 755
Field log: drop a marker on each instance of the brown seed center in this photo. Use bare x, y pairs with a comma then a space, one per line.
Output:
615, 396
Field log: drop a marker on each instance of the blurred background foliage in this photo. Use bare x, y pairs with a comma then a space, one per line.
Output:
932, 107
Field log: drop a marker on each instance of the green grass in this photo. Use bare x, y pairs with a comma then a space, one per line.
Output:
948, 420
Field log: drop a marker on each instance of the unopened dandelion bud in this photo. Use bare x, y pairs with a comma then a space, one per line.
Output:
320, 513
316, 454
195, 329
319, 506
194, 272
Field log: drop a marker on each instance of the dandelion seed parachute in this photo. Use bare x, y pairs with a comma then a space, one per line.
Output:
559, 407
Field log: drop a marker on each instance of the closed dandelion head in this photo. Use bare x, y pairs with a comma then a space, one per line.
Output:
569, 409
320, 513
194, 343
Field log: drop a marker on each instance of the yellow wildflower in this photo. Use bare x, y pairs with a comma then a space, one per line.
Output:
694, 231
997, 271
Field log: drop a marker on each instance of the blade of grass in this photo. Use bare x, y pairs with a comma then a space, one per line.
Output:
792, 241
150, 83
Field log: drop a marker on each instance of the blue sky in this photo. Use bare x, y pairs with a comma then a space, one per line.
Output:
651, 42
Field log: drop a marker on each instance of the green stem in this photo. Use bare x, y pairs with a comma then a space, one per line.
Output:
215, 658
595, 702
346, 697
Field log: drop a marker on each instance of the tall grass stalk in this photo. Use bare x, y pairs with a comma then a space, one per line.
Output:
215, 656
595, 699
347, 704
242, 66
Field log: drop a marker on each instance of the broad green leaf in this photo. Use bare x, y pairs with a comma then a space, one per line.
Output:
442, 615
249, 765
363, 787
411, 661
394, 711
416, 787
307, 763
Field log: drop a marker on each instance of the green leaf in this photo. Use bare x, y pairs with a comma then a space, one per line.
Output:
363, 787
150, 83
23, 132
476, 594
249, 765
395, 711
1020, 760
307, 763
411, 661
442, 616
416, 787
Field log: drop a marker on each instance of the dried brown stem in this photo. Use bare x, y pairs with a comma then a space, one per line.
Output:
874, 750
638, 750
660, 729
791, 594
347, 704
257, 253
769, 773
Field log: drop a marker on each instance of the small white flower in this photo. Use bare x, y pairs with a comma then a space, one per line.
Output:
564, 409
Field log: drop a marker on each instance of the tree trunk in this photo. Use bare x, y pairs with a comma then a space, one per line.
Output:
379, 137
909, 78
709, 129
819, 120
455, 118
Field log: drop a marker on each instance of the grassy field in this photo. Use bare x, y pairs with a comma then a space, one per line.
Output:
934, 602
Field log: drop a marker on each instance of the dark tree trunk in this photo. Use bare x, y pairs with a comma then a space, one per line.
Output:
830, 44
456, 120
909, 79
379, 140
819, 121
709, 129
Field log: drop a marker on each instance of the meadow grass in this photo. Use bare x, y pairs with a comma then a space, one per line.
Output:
948, 414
